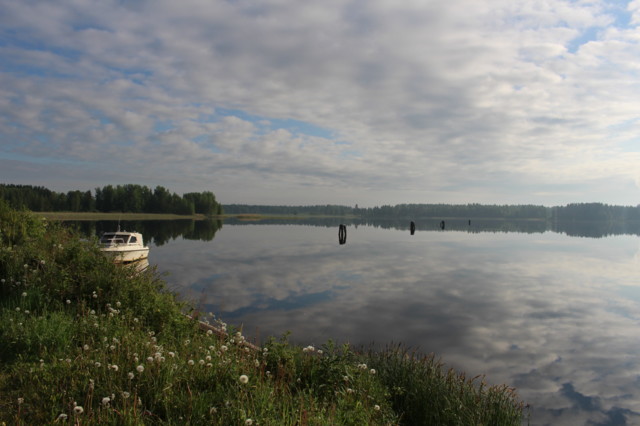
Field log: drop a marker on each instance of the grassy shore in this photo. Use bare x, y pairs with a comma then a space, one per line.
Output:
84, 341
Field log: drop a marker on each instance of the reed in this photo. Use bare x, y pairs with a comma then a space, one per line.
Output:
84, 341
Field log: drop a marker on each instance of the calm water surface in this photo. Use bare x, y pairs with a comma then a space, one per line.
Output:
555, 316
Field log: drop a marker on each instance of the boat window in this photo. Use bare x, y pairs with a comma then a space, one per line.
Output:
133, 240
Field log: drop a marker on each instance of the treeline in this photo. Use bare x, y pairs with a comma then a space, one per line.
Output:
127, 198
570, 212
316, 210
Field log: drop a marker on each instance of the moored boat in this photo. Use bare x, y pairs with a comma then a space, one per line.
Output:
124, 246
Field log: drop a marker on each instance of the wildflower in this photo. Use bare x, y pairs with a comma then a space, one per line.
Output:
320, 352
223, 348
85, 347
106, 400
26, 266
248, 422
172, 354
201, 362
131, 375
20, 401
114, 367
149, 359
213, 410
26, 311
98, 364
186, 342
125, 394
24, 294
244, 379
92, 312
42, 262
140, 368
376, 407
209, 332
68, 302
190, 362
62, 417
17, 309
212, 348
349, 390
208, 357
372, 371
112, 347
135, 320
78, 409
118, 304
209, 365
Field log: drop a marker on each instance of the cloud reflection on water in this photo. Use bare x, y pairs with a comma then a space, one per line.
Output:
548, 314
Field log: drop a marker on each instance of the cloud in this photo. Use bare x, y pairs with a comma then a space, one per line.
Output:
414, 97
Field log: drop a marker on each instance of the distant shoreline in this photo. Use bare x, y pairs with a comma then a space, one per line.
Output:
91, 216
117, 216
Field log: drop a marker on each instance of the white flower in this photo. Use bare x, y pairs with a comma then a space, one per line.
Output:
376, 407
97, 364
62, 417
201, 362
114, 367
172, 354
244, 379
223, 348
149, 359
106, 400
78, 409
372, 371
85, 347
140, 368
24, 294
131, 375
125, 394
20, 401
209, 332
248, 422
190, 362
68, 302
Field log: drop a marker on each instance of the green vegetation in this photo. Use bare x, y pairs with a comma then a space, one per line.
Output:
89, 342
570, 212
128, 198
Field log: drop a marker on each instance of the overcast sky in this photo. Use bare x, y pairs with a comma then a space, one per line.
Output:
350, 102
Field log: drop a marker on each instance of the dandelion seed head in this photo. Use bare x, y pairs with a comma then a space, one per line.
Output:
376, 407
62, 417
131, 375
125, 394
20, 401
244, 379
248, 422
78, 409
140, 368
106, 400
190, 362
24, 294
68, 302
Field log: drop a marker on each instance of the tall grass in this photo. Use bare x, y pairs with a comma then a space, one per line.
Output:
84, 341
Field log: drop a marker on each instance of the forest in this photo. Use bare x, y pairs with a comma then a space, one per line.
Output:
131, 198
569, 212
127, 198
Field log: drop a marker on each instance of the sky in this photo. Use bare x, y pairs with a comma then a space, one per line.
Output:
366, 102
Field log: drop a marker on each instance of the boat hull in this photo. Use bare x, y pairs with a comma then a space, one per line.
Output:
124, 255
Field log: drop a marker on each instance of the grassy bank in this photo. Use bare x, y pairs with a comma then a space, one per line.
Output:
115, 216
84, 341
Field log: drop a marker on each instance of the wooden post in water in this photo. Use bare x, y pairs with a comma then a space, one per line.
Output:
342, 234
412, 227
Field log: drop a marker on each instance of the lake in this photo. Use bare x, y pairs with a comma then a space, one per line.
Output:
553, 314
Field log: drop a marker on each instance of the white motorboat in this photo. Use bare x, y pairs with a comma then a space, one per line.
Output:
124, 246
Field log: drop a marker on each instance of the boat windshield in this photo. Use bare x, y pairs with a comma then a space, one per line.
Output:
115, 238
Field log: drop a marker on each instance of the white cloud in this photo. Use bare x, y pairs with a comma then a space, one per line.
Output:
417, 95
